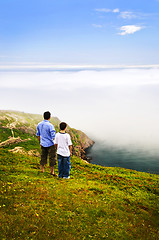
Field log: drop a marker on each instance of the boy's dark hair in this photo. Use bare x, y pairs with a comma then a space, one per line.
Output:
63, 125
47, 115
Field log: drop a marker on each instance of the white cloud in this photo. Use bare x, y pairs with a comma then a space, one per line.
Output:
132, 15
127, 15
71, 80
107, 10
116, 10
97, 25
129, 29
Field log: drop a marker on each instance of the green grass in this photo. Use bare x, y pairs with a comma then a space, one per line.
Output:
95, 203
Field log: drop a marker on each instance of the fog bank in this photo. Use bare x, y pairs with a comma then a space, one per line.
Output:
117, 106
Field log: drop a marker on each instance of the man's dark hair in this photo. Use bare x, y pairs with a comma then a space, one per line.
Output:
63, 125
47, 115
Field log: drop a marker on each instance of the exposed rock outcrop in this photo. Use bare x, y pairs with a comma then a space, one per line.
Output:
21, 150
18, 150
12, 140
80, 143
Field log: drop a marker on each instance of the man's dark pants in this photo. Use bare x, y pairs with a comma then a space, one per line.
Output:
48, 151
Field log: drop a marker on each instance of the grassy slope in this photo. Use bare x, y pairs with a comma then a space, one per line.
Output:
21, 121
96, 203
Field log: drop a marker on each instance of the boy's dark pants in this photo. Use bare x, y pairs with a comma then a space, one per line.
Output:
64, 166
51, 151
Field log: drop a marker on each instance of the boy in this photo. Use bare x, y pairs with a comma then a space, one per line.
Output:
63, 144
46, 135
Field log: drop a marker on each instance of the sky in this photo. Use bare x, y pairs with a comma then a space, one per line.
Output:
91, 63
79, 32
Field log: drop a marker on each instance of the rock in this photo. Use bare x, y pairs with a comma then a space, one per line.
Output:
13, 140
18, 150
34, 153
29, 130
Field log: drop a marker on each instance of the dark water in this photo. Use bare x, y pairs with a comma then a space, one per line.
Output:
124, 157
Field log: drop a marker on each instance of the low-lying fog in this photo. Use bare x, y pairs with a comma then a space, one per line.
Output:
118, 108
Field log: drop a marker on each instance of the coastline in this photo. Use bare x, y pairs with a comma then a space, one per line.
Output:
136, 159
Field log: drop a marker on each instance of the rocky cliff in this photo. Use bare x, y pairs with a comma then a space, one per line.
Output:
18, 133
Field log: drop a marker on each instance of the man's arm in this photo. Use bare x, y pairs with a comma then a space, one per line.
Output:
52, 131
38, 138
38, 133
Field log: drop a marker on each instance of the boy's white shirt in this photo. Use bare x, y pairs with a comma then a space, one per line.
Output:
63, 141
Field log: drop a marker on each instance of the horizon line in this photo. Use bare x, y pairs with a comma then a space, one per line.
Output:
71, 66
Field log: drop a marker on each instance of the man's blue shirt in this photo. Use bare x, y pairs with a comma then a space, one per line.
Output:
46, 131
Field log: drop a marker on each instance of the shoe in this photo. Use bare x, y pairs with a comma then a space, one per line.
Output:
67, 177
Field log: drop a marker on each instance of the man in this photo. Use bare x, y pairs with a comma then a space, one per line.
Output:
46, 135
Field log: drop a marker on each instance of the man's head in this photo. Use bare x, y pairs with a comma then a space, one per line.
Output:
47, 115
63, 126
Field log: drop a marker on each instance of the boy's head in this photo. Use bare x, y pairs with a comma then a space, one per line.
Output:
47, 115
63, 126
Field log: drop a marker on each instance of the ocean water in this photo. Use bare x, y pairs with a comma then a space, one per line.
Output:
124, 157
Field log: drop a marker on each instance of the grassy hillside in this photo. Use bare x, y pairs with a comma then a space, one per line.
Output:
18, 129
96, 203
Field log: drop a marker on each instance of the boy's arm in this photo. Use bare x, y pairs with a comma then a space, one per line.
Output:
55, 145
70, 144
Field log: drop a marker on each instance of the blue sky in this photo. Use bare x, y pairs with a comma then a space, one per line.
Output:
79, 31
